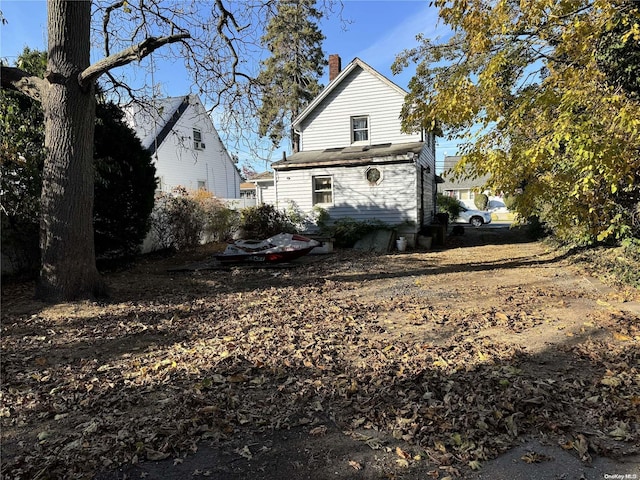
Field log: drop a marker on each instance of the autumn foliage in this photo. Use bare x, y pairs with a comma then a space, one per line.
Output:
541, 97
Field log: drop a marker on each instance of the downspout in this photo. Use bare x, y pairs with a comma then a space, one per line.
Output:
275, 186
299, 134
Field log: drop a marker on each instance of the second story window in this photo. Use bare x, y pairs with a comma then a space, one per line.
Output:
198, 144
359, 129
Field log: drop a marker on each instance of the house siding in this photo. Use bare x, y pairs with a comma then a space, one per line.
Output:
266, 193
359, 94
426, 193
392, 201
179, 164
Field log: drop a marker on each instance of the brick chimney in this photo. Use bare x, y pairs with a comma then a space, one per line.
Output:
335, 66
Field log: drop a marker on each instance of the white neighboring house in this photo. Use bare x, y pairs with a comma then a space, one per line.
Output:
186, 148
465, 188
264, 188
354, 159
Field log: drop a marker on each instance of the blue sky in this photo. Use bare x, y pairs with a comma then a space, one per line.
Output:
373, 30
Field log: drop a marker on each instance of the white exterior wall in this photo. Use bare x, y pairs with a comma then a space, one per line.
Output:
265, 193
392, 201
359, 94
179, 164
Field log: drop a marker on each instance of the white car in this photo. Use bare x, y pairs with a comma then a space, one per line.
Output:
475, 218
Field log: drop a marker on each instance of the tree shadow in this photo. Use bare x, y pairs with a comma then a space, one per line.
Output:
156, 379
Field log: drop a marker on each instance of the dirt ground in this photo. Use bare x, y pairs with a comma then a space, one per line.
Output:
415, 365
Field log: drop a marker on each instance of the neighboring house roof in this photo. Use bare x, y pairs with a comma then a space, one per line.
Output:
356, 62
356, 155
262, 177
152, 122
462, 183
247, 186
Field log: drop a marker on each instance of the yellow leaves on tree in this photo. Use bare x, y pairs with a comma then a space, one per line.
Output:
523, 87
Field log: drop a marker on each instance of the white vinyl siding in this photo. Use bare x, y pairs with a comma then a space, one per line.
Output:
179, 164
266, 193
360, 94
391, 201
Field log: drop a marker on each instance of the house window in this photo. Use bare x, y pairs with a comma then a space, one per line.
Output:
202, 184
322, 190
373, 176
466, 194
359, 129
198, 144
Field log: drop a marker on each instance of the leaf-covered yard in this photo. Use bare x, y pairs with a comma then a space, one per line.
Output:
433, 362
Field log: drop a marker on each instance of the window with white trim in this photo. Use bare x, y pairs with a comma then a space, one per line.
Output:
466, 194
322, 190
359, 129
198, 144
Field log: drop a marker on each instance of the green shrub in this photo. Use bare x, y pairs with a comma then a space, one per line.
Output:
177, 220
347, 231
124, 186
449, 205
320, 217
509, 201
185, 219
263, 221
220, 222
123, 189
481, 201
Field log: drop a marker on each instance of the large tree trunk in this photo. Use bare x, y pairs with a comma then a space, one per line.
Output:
68, 268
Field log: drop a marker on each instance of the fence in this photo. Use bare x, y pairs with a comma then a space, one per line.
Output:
239, 203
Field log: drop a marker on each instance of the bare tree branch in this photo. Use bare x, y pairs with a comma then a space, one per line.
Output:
105, 23
136, 52
20, 81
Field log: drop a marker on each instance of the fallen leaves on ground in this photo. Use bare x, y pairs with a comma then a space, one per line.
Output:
90, 386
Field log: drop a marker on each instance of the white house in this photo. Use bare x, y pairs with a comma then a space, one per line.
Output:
186, 147
466, 187
264, 187
354, 160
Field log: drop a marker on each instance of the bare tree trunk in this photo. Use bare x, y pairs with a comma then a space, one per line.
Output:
68, 268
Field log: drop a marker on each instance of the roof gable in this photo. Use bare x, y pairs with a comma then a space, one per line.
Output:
153, 121
348, 70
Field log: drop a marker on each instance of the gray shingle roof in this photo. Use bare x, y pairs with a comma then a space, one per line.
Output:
386, 152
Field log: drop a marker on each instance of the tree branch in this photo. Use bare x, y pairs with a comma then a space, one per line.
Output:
136, 52
20, 81
105, 23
